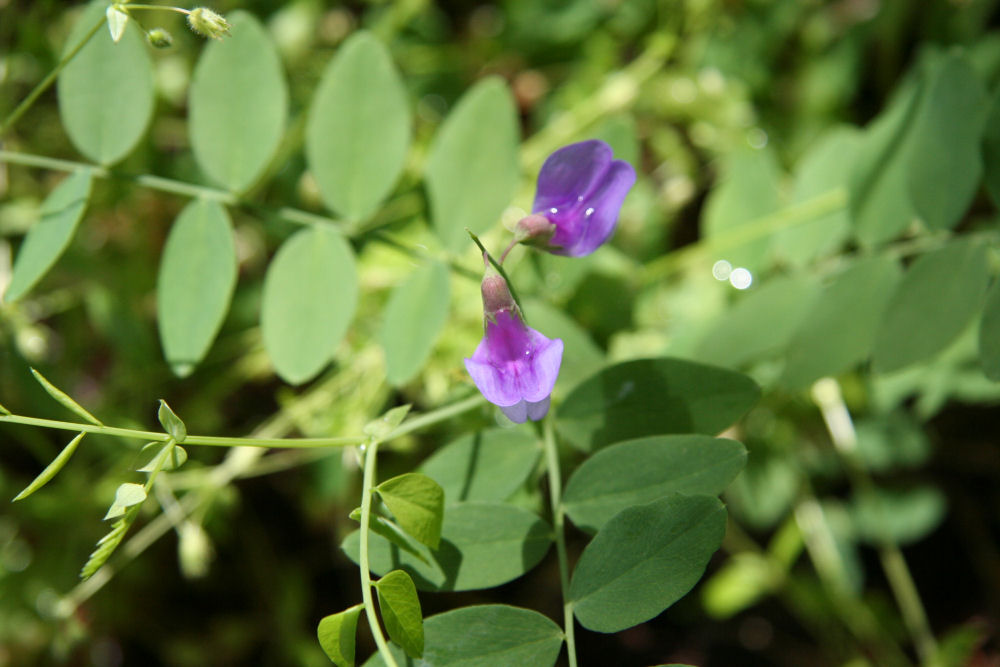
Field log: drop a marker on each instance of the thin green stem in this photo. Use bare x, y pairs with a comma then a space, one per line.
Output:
165, 8
26, 103
558, 528
207, 440
367, 491
829, 399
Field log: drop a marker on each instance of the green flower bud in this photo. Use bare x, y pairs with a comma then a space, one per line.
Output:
159, 38
207, 23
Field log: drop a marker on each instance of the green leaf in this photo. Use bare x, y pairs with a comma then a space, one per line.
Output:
839, 329
491, 635
337, 634
105, 92
238, 104
473, 169
380, 428
414, 317
64, 399
748, 190
195, 284
587, 357
644, 559
825, 167
764, 492
127, 495
880, 200
482, 545
174, 459
945, 166
47, 239
488, 465
171, 423
741, 582
417, 502
640, 471
310, 293
989, 334
991, 149
900, 516
51, 469
760, 323
400, 607
938, 296
4, 411
359, 128
106, 546
613, 405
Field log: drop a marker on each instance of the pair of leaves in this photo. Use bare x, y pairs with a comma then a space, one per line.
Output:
400, 607
482, 545
486, 636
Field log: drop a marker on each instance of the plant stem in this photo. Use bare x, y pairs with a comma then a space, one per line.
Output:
558, 528
367, 491
828, 397
166, 8
26, 103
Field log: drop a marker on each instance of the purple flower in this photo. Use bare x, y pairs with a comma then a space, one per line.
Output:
580, 193
514, 366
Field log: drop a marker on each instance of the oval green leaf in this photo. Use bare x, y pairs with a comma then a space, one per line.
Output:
414, 316
644, 559
127, 495
400, 608
106, 91
359, 128
310, 293
337, 634
614, 404
488, 466
492, 635
640, 471
900, 516
482, 545
989, 334
47, 239
473, 169
839, 329
195, 284
417, 502
238, 104
936, 299
760, 323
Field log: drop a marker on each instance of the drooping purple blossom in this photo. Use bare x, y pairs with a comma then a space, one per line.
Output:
580, 193
514, 366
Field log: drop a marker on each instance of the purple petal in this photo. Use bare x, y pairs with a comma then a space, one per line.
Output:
514, 362
517, 413
538, 409
492, 384
537, 385
569, 174
594, 220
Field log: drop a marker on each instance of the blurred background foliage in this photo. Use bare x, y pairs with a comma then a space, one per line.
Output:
731, 110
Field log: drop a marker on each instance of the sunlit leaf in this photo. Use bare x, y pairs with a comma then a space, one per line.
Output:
488, 465
359, 128
195, 283
400, 608
51, 469
127, 495
105, 92
63, 398
472, 168
337, 634
171, 423
413, 319
310, 293
148, 455
989, 334
417, 502
237, 103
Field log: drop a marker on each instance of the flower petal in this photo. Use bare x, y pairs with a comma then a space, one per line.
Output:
538, 409
494, 386
517, 413
569, 174
597, 215
542, 370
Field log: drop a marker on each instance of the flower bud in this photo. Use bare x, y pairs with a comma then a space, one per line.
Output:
496, 294
535, 229
207, 23
159, 38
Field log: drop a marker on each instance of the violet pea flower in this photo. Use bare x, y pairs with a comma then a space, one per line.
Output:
514, 366
578, 199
